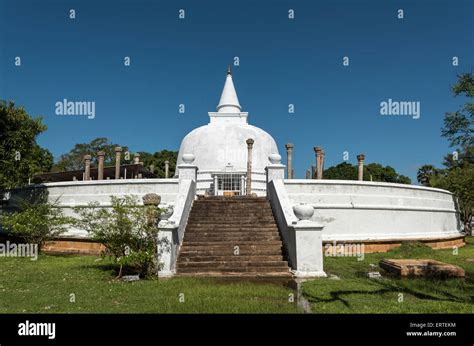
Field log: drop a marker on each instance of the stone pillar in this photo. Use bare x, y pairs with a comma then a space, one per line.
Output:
309, 244
275, 170
317, 151
289, 154
360, 164
249, 142
100, 168
87, 163
323, 156
187, 170
167, 169
136, 158
118, 153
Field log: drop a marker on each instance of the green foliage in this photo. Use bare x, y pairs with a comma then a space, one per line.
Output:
372, 171
158, 161
460, 181
36, 221
343, 171
74, 160
20, 156
425, 174
128, 231
458, 176
377, 172
459, 125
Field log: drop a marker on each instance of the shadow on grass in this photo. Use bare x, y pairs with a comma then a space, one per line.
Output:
390, 287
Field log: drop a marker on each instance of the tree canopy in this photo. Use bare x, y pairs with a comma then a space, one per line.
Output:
457, 175
20, 156
372, 171
74, 159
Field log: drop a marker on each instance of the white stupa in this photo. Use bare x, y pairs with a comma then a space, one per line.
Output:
220, 148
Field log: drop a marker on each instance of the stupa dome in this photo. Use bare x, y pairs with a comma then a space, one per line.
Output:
220, 146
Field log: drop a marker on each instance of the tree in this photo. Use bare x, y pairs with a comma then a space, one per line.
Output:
74, 160
158, 161
20, 156
342, 171
372, 171
425, 174
459, 126
458, 177
460, 181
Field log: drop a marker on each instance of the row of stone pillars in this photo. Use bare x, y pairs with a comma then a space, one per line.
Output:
118, 156
317, 171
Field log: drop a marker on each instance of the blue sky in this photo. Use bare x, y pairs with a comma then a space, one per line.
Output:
282, 61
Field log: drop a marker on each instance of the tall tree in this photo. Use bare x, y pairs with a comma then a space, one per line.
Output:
458, 177
20, 156
74, 160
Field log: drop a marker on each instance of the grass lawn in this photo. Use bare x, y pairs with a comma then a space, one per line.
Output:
46, 285
356, 293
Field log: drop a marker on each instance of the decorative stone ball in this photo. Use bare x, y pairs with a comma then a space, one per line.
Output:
188, 158
303, 211
151, 199
274, 158
166, 212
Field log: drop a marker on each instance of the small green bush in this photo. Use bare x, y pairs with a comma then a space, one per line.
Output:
127, 230
36, 221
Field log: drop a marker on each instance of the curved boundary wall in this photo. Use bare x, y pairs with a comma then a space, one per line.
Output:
381, 215
81, 193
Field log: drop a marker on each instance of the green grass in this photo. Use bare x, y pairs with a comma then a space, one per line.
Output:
355, 293
45, 286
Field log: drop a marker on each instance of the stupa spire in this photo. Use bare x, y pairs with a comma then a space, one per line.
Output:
229, 103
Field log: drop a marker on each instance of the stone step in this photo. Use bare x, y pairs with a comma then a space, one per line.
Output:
210, 236
231, 243
193, 251
239, 275
233, 269
216, 225
224, 224
231, 216
235, 238
227, 264
229, 258
232, 228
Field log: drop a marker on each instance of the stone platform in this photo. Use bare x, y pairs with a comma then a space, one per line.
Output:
421, 268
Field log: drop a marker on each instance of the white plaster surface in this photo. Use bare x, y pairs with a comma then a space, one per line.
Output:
353, 210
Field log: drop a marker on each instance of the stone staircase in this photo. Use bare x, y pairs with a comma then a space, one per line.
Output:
232, 237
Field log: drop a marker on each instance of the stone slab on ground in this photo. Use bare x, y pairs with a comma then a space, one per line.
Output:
421, 268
